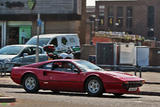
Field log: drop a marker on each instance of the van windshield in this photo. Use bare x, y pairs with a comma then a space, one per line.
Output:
42, 41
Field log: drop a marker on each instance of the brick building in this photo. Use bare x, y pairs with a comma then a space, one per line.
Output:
90, 25
140, 17
19, 18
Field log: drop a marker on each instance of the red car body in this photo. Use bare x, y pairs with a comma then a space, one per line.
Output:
112, 81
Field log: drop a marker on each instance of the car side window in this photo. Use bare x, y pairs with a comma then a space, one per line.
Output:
72, 40
64, 41
47, 66
64, 66
54, 42
31, 51
27, 51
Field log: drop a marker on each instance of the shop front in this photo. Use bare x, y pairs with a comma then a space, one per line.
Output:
18, 18
18, 32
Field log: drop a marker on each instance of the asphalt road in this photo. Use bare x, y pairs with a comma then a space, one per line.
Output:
64, 99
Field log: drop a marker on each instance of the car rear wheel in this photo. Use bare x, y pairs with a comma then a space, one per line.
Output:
94, 86
30, 83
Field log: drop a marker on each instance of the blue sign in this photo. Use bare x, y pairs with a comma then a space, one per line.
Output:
39, 22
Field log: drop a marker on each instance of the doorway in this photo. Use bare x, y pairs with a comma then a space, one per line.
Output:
0, 35
13, 36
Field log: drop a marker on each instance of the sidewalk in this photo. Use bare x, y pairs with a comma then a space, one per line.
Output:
152, 82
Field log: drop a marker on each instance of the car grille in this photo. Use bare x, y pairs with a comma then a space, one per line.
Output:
131, 84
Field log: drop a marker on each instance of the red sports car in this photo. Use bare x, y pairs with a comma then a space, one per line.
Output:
74, 75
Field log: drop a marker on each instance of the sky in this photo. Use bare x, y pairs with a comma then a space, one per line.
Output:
91, 2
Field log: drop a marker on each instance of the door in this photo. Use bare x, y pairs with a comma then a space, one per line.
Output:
31, 55
13, 35
66, 76
47, 76
0, 34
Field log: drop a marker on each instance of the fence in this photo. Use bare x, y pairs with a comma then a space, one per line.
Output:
5, 68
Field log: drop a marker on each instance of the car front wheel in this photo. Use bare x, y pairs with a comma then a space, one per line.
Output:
94, 86
30, 83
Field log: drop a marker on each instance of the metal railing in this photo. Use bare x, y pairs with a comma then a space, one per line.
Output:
5, 68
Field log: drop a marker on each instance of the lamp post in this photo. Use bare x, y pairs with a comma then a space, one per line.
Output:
92, 26
39, 22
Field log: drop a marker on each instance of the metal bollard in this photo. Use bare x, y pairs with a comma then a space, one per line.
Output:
1, 69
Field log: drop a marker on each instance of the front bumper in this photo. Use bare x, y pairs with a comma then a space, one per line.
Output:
123, 88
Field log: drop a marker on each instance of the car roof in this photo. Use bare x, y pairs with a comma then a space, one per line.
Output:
23, 45
66, 60
53, 35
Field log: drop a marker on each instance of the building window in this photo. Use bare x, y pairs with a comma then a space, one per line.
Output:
101, 20
110, 16
101, 15
150, 34
150, 16
101, 6
129, 17
119, 20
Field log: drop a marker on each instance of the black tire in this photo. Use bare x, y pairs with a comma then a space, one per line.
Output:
117, 94
27, 85
89, 88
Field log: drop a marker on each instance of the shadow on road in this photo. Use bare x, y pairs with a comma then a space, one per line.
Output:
80, 95
150, 93
10, 86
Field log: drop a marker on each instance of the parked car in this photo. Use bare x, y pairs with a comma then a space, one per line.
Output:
12, 55
62, 42
74, 75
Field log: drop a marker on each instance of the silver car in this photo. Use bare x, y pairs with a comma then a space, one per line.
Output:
17, 55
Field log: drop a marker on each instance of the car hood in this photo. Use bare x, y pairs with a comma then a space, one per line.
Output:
122, 75
2, 57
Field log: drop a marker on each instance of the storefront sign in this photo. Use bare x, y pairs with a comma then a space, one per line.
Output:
31, 4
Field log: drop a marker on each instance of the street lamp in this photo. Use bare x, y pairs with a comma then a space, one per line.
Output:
92, 25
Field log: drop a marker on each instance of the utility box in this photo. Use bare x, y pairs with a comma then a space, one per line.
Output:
127, 54
142, 55
154, 57
106, 53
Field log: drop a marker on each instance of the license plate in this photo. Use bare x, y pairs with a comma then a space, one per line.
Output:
132, 89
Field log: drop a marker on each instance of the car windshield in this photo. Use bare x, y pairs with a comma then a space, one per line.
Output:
42, 41
87, 66
11, 50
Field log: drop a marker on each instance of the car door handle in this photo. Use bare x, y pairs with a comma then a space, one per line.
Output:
44, 73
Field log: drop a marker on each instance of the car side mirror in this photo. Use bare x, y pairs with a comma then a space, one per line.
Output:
25, 54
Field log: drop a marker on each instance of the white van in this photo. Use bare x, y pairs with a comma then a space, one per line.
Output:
62, 42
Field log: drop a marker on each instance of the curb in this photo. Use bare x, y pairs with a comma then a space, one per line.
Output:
7, 99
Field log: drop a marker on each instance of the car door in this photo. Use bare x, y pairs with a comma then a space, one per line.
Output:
65, 78
31, 57
47, 80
